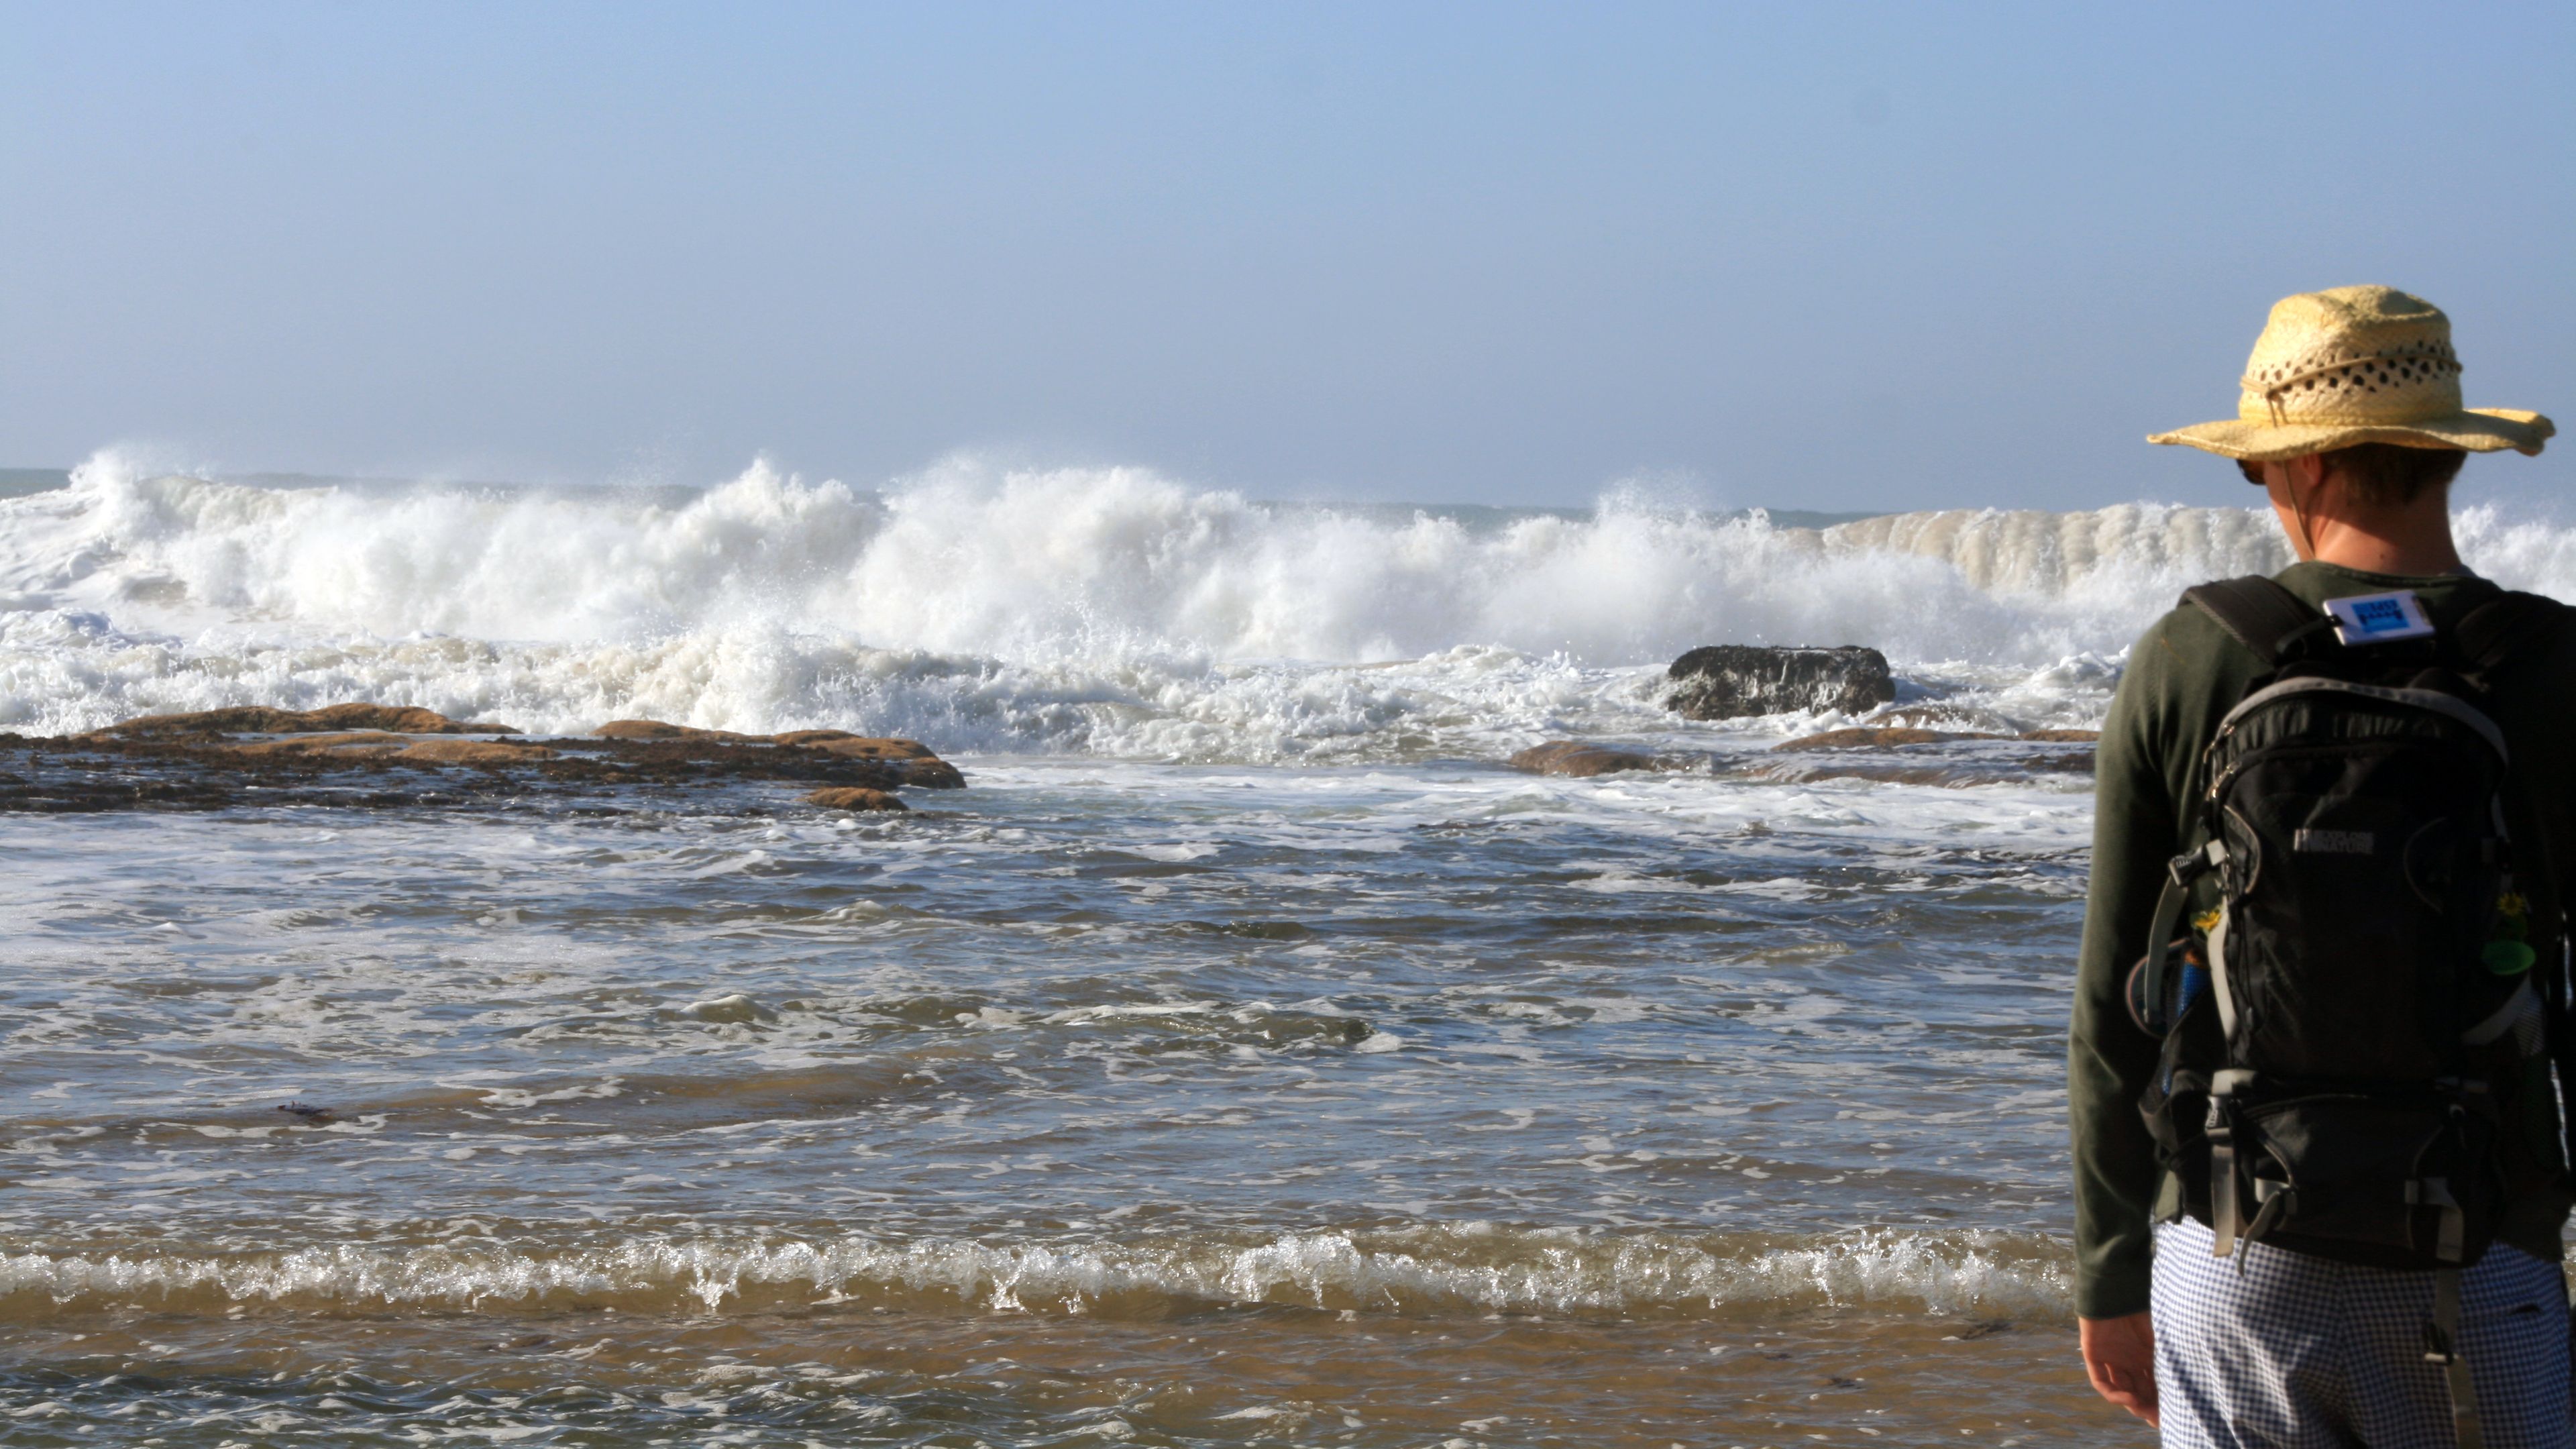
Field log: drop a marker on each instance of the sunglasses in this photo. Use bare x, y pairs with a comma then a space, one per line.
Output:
2251, 472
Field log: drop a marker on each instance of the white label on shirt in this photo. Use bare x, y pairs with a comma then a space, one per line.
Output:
2378, 618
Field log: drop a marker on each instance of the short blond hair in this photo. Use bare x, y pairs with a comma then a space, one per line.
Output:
2386, 475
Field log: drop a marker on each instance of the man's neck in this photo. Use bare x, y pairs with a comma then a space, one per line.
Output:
2413, 554
2415, 558
2414, 540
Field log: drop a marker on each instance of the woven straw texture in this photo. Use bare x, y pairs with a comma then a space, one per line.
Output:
2357, 365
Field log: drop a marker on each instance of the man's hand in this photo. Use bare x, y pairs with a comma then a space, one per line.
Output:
2120, 1359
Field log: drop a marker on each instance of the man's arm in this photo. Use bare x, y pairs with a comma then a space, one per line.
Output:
2108, 1059
2120, 1359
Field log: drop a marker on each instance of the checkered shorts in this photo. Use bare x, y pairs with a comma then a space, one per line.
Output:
2296, 1352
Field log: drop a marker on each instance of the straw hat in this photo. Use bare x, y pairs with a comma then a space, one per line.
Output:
2357, 365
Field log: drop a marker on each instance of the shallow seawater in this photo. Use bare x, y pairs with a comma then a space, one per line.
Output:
1424, 1103
1247, 1057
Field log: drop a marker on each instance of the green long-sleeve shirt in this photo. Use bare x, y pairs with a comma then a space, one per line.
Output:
2183, 677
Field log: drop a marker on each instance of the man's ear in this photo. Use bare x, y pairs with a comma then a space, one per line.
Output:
2310, 471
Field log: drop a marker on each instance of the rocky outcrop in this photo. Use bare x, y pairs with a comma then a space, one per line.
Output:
849, 798
1945, 715
351, 744
930, 774
1968, 721
856, 747
654, 729
1881, 737
389, 757
827, 737
332, 719
1867, 738
911, 758
1574, 757
474, 752
1736, 681
912, 761
377, 744
1913, 755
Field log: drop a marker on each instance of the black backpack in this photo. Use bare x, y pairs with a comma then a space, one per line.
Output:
2350, 1035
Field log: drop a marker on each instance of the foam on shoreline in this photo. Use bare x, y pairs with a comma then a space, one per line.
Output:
1453, 1269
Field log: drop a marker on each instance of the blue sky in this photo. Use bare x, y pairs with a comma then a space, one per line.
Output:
1817, 255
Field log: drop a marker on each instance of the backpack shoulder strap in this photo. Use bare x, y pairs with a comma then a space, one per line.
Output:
2500, 628
2260, 614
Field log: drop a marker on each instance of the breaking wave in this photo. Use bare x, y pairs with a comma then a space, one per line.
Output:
1466, 1268
1093, 609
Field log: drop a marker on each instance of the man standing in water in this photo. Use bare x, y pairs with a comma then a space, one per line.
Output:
2319, 1180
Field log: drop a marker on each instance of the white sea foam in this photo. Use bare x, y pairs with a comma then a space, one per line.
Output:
1107, 609
1472, 1268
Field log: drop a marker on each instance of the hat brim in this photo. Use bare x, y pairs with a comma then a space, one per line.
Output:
2478, 430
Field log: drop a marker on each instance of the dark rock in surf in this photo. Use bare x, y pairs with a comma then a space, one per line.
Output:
1573, 757
394, 757
1734, 681
851, 797
1945, 715
911, 762
1912, 755
472, 752
654, 729
337, 718
400, 749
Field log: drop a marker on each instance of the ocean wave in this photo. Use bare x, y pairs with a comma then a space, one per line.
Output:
1452, 1269
1032, 565
1107, 610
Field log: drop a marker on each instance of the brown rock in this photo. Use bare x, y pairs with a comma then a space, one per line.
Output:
261, 720
654, 729
1942, 716
848, 798
2063, 736
857, 747
368, 769
912, 759
472, 752
358, 742
399, 719
1573, 757
678, 761
1880, 739
930, 774
400, 749
245, 720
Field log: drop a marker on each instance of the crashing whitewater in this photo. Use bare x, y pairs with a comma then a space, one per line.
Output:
1103, 610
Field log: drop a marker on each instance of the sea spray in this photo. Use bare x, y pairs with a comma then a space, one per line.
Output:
1105, 610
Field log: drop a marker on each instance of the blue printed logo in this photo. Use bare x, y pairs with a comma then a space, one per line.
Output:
2375, 618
